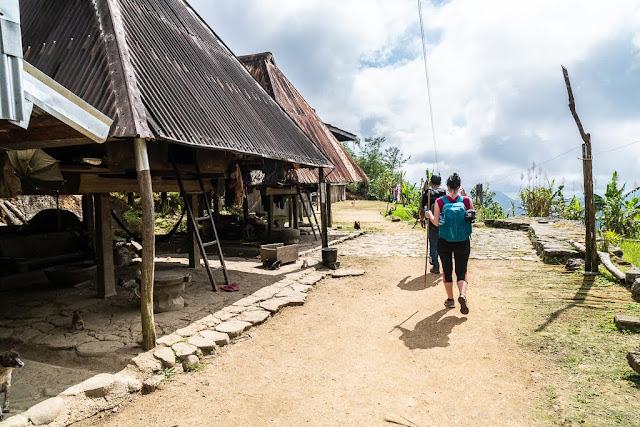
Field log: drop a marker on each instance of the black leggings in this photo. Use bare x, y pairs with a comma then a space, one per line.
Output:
450, 250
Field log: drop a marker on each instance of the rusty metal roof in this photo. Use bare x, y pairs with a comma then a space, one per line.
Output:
264, 69
161, 73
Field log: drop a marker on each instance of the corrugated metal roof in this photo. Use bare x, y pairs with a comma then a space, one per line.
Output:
12, 105
263, 68
161, 73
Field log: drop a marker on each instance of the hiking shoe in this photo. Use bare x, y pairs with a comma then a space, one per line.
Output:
435, 270
462, 299
449, 303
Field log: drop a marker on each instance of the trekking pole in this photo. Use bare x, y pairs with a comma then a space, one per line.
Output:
426, 258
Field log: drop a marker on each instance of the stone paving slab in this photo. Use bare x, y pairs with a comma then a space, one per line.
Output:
233, 328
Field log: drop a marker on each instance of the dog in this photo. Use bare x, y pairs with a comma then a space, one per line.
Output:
77, 322
9, 360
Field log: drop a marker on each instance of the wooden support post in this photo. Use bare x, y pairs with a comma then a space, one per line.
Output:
296, 212
88, 216
479, 198
591, 256
194, 248
104, 246
148, 244
270, 218
329, 210
323, 209
245, 214
216, 207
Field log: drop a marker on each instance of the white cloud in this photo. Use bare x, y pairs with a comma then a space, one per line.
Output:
498, 95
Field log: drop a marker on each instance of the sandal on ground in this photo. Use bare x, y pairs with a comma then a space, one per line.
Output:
229, 288
462, 299
449, 303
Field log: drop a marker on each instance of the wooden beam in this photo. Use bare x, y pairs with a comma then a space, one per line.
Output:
269, 191
91, 183
270, 218
324, 232
329, 210
104, 246
295, 209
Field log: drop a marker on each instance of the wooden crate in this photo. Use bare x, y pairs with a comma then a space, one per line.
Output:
278, 252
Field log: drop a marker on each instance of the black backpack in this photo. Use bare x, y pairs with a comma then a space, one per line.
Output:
436, 193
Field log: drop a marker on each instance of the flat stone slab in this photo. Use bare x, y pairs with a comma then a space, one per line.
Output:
298, 299
151, 384
166, 356
184, 349
246, 302
146, 363
256, 317
220, 338
98, 348
170, 339
233, 327
192, 329
205, 345
99, 385
346, 272
210, 321
266, 293
275, 304
46, 412
302, 288
627, 322
289, 292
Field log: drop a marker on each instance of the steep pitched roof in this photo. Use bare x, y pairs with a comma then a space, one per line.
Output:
161, 73
264, 69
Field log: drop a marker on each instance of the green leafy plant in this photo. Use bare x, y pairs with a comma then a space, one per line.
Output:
619, 211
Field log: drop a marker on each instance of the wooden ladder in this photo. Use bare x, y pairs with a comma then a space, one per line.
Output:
313, 212
196, 220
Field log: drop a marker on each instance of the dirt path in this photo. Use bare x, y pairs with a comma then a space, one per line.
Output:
365, 351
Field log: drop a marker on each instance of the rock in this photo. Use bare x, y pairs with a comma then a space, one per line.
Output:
49, 392
136, 247
20, 420
146, 363
246, 302
233, 327
266, 293
347, 272
190, 363
166, 356
627, 322
275, 304
210, 321
256, 317
632, 275
183, 349
614, 250
132, 383
192, 329
151, 384
204, 344
98, 348
100, 385
122, 256
297, 299
226, 315
635, 288
633, 357
46, 412
219, 338
289, 292
574, 264
170, 339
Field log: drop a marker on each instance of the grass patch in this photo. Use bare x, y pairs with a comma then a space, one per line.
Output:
570, 322
631, 251
406, 213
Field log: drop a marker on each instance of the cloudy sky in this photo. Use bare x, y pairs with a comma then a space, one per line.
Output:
498, 95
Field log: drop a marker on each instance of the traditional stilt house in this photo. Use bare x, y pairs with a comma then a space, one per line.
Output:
263, 67
186, 116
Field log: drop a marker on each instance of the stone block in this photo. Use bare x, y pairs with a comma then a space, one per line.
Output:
633, 357
166, 356
219, 338
301, 288
275, 304
146, 363
97, 386
627, 322
632, 275
151, 384
47, 411
635, 288
192, 329
255, 317
233, 328
170, 339
20, 420
204, 344
184, 349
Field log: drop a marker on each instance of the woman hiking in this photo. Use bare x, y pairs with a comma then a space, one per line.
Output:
453, 215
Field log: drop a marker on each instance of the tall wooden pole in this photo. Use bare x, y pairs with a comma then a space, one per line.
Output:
148, 244
591, 257
323, 209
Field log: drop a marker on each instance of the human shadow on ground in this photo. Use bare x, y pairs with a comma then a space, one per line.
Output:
579, 297
431, 332
419, 283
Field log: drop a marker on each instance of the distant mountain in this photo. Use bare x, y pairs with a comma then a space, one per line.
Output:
505, 202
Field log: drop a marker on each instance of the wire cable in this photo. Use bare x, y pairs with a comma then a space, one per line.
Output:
426, 73
616, 148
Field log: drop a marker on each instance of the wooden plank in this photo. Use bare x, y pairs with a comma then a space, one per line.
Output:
269, 191
104, 246
91, 183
